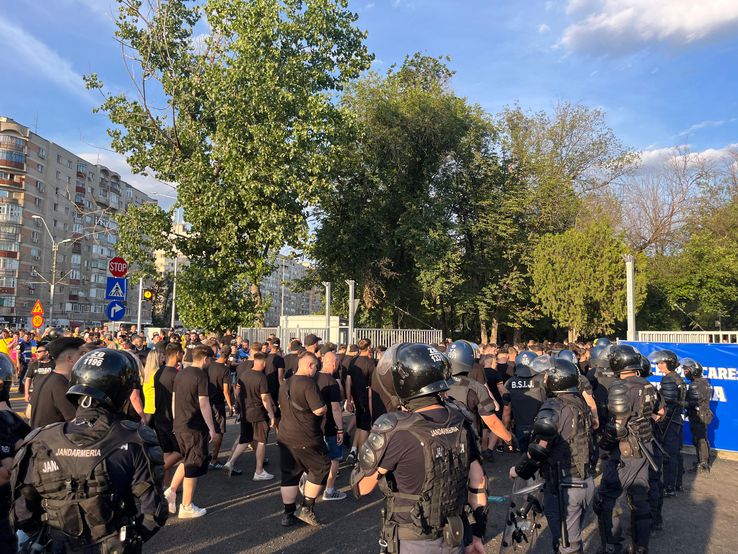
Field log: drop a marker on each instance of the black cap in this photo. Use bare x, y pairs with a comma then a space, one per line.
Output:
295, 345
312, 339
327, 347
57, 346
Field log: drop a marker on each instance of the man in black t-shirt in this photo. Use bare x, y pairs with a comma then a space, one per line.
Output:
194, 428
333, 422
219, 391
274, 372
163, 422
49, 403
301, 445
38, 369
257, 416
358, 380
290, 360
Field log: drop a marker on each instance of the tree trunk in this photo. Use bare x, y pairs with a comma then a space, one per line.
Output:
517, 336
494, 330
483, 332
256, 295
573, 335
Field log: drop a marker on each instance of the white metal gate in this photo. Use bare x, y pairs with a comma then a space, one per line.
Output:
378, 337
704, 337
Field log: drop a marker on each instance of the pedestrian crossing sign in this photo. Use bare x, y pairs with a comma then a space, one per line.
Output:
116, 288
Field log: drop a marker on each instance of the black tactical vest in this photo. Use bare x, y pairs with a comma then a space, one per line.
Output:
698, 401
643, 399
444, 491
74, 483
472, 395
574, 447
674, 392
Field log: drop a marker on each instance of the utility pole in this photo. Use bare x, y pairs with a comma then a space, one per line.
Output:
352, 286
140, 303
174, 289
54, 251
630, 296
327, 285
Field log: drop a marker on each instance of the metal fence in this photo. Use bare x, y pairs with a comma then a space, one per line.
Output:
340, 335
702, 337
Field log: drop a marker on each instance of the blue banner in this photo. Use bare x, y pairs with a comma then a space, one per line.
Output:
721, 368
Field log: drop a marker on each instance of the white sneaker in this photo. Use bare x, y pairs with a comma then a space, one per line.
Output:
335, 495
171, 497
263, 476
191, 511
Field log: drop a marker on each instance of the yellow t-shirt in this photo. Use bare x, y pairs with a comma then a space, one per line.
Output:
4, 346
149, 395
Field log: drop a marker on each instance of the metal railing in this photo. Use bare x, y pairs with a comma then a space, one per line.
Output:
703, 337
340, 335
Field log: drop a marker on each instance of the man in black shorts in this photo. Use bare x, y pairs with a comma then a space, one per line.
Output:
333, 422
358, 379
193, 427
301, 445
49, 403
257, 416
219, 391
163, 421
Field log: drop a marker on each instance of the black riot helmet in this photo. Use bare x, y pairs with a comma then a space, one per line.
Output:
600, 356
461, 354
106, 376
562, 376
623, 357
568, 355
666, 356
602, 341
53, 334
522, 363
692, 369
645, 367
7, 370
541, 363
419, 370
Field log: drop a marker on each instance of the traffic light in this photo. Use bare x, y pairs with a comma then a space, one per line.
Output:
148, 294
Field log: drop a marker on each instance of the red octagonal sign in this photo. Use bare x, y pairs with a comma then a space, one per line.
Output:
118, 267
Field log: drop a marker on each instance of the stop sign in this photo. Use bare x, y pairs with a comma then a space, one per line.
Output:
118, 267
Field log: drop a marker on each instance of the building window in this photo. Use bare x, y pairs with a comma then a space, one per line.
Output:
76, 259
8, 263
42, 153
56, 207
7, 301
5, 176
40, 186
8, 246
39, 168
58, 175
8, 282
74, 274
35, 236
78, 228
58, 158
35, 253
55, 223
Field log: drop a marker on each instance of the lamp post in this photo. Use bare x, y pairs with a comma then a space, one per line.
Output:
54, 251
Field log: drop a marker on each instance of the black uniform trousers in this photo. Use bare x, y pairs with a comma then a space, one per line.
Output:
699, 439
672, 440
630, 476
577, 502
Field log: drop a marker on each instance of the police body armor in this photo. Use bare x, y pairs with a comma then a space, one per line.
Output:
631, 403
603, 380
698, 401
575, 456
443, 494
674, 392
460, 389
80, 507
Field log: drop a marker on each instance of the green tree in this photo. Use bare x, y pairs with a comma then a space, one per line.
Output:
579, 279
244, 120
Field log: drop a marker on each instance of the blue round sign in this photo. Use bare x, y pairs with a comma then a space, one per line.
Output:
115, 311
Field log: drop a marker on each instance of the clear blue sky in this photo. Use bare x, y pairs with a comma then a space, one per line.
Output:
663, 70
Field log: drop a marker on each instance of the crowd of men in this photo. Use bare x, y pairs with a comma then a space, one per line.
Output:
419, 421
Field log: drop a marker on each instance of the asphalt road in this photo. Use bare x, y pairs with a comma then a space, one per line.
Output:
243, 515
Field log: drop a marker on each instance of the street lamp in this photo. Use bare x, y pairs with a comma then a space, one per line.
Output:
54, 251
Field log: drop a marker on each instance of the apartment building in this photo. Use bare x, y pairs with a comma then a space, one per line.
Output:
47, 191
284, 299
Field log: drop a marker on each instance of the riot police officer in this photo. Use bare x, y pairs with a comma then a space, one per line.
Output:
655, 473
525, 396
426, 510
700, 415
475, 396
601, 377
92, 484
674, 392
12, 431
627, 452
563, 448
